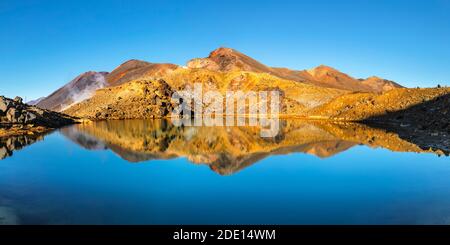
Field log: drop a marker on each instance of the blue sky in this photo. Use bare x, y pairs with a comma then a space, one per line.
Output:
45, 44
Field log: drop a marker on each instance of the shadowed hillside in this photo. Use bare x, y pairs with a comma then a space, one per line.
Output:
426, 124
361, 106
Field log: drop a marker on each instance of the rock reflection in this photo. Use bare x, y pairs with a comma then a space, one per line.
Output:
13, 143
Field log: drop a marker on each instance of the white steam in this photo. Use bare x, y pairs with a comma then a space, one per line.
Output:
76, 94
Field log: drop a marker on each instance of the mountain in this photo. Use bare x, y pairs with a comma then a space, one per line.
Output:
135, 99
227, 60
128, 100
137, 69
84, 86
224, 68
77, 90
36, 101
332, 78
379, 84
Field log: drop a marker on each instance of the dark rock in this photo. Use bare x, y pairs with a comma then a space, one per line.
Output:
4, 105
3, 152
12, 115
18, 99
29, 117
15, 112
446, 125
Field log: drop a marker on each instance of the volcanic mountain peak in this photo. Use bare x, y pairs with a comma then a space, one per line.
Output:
86, 75
326, 76
222, 60
77, 90
374, 78
223, 51
323, 70
135, 69
380, 84
133, 63
36, 101
379, 79
122, 69
227, 59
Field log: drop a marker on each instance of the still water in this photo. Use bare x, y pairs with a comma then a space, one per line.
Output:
151, 172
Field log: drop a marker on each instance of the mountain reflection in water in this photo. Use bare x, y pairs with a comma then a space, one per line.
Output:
77, 175
228, 149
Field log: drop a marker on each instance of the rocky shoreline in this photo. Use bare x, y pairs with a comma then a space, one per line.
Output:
18, 118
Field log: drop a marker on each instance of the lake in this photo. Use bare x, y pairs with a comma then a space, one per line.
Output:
152, 172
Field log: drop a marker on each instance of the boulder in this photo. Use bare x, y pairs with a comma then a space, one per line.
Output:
29, 117
14, 111
12, 115
3, 152
4, 105
18, 100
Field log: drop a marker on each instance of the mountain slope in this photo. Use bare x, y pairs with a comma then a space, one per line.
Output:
296, 98
85, 85
77, 90
227, 60
362, 106
135, 99
36, 101
330, 77
225, 63
137, 69
379, 84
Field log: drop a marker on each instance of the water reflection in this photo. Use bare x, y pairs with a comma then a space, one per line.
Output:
225, 149
10, 144
229, 149
58, 182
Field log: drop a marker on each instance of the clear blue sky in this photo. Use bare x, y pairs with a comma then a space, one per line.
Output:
45, 44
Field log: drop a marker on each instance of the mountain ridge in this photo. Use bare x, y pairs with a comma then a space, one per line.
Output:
223, 60
227, 59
